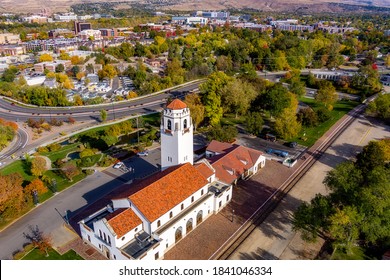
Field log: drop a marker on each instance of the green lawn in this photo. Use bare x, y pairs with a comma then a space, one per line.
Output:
152, 119
61, 153
35, 254
18, 166
230, 119
63, 183
314, 133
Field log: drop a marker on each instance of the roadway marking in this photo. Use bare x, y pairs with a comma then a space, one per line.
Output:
364, 136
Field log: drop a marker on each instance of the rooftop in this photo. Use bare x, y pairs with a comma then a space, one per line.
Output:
176, 104
165, 192
123, 220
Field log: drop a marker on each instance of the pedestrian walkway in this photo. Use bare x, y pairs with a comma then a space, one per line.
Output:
66, 239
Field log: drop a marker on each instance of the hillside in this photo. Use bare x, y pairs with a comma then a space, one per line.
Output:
31, 6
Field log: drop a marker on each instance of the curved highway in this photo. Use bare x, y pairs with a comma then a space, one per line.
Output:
21, 140
15, 112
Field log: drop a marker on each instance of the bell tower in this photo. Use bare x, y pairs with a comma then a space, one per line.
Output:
176, 135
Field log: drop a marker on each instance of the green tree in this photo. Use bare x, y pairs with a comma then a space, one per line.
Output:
326, 94
211, 96
307, 117
236, 97
70, 170
196, 107
103, 115
275, 99
380, 107
254, 123
60, 68
222, 133
286, 124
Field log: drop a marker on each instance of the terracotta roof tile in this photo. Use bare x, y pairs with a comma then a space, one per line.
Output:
231, 165
162, 195
204, 169
123, 220
177, 104
219, 147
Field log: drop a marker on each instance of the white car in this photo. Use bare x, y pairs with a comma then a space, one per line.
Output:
118, 165
143, 154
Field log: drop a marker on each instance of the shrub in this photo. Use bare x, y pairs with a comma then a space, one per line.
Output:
54, 147
42, 150
89, 171
323, 114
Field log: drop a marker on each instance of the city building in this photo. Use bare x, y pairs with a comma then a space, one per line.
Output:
144, 219
36, 19
65, 17
90, 33
80, 26
9, 38
12, 49
60, 33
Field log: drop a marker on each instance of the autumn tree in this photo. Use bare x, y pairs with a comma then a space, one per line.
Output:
38, 166
11, 195
108, 71
70, 170
196, 107
45, 57
35, 185
40, 240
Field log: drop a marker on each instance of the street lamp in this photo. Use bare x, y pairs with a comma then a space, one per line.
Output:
35, 197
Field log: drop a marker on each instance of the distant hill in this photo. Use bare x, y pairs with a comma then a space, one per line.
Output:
32, 6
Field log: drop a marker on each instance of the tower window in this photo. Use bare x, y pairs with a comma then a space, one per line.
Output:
170, 214
169, 125
185, 124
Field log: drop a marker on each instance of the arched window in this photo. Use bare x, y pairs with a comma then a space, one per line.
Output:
170, 214
189, 226
158, 223
169, 125
199, 217
185, 124
192, 199
201, 192
178, 234
182, 206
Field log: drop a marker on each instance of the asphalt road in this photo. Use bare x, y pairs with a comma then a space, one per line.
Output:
19, 143
46, 217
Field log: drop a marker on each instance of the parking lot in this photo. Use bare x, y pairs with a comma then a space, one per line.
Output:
137, 167
264, 145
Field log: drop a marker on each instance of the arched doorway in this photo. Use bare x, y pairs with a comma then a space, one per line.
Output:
178, 234
189, 226
199, 217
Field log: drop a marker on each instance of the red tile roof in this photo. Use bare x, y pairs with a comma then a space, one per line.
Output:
204, 169
177, 104
165, 193
123, 220
230, 165
219, 147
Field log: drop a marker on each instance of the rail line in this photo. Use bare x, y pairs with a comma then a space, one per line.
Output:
312, 155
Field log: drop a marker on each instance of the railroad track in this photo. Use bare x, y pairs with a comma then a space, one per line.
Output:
312, 155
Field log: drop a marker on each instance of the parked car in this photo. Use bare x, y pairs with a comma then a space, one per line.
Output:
293, 144
143, 154
277, 152
118, 165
